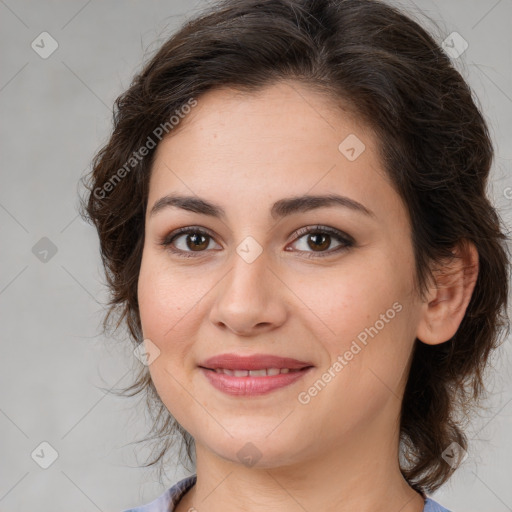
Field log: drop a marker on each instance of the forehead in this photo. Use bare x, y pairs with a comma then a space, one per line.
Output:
283, 140
280, 117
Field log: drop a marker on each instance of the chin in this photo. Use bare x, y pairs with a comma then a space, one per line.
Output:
257, 452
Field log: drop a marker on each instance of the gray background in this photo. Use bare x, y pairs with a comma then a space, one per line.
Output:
56, 112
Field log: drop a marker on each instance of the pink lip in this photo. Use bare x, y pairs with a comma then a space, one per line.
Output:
244, 386
253, 362
252, 385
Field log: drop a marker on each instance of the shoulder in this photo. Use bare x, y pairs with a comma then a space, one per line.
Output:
433, 506
168, 500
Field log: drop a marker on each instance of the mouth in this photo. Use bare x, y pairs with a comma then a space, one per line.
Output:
253, 363
241, 375
264, 372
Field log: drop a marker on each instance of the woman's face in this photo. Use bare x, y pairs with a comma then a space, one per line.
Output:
255, 284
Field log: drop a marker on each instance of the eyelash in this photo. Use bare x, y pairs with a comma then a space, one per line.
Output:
346, 240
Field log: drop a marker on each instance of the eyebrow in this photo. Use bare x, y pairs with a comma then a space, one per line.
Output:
280, 208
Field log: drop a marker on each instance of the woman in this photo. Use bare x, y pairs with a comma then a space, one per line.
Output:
293, 222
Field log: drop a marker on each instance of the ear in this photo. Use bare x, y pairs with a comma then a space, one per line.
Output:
448, 298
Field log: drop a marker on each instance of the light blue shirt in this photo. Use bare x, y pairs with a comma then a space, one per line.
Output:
167, 501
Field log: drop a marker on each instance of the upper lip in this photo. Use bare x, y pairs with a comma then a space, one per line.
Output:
253, 362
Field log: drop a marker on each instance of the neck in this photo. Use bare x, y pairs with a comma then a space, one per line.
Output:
362, 475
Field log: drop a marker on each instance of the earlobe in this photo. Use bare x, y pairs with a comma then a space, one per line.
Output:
449, 296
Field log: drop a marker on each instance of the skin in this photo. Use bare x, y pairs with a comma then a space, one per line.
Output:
339, 452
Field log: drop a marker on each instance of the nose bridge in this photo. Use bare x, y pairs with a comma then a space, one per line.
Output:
249, 274
247, 298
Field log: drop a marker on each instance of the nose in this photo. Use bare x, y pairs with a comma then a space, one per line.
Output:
251, 298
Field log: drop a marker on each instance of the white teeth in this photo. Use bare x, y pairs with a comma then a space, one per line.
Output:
254, 373
258, 373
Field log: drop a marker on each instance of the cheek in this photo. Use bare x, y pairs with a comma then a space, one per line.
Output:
365, 318
155, 300
172, 309
167, 301
343, 301
166, 308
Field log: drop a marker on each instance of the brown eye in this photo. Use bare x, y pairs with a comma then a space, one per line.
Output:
197, 241
186, 241
317, 239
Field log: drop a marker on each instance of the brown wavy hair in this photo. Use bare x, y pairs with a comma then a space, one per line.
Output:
434, 143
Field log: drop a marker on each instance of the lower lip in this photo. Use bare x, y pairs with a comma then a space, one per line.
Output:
249, 386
